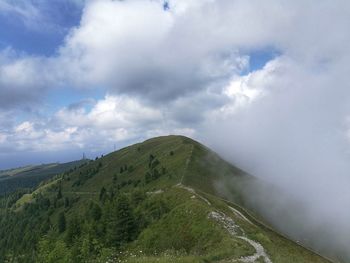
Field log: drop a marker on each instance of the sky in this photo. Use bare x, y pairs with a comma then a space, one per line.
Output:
264, 83
82, 76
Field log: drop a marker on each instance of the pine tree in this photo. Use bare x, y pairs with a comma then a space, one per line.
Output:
155, 163
115, 179
121, 226
61, 225
155, 174
73, 230
148, 177
103, 194
59, 193
125, 224
66, 202
95, 212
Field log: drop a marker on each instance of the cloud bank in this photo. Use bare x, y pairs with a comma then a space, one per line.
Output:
294, 134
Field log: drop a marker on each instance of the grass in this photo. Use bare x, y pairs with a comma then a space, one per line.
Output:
41, 170
184, 233
187, 228
164, 259
27, 198
12, 172
31, 176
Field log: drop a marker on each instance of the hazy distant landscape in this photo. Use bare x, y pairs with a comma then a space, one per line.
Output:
174, 131
31, 176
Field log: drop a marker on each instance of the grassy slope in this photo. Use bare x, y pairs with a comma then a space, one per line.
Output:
31, 176
185, 233
40, 170
14, 171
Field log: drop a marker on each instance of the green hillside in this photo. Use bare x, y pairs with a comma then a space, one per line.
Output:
150, 202
32, 176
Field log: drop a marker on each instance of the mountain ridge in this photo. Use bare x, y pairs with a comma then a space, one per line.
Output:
30, 176
166, 187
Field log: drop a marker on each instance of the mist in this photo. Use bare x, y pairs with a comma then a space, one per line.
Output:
295, 137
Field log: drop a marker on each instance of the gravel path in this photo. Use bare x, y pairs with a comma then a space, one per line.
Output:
239, 214
191, 190
231, 227
260, 251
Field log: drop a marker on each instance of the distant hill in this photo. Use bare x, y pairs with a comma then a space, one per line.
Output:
31, 176
154, 201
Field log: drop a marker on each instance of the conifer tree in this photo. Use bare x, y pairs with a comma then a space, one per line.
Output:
121, 227
103, 193
59, 193
73, 230
61, 225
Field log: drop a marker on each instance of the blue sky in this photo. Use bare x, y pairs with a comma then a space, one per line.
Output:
38, 35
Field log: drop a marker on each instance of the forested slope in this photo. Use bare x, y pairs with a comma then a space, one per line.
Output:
31, 176
149, 202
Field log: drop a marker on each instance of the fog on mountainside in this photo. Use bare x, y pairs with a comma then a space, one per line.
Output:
296, 140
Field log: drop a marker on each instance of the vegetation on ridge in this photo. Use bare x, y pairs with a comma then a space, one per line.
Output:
143, 203
31, 176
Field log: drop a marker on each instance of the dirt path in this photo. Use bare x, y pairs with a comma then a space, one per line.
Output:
192, 191
260, 251
239, 214
81, 193
186, 165
233, 229
157, 192
229, 224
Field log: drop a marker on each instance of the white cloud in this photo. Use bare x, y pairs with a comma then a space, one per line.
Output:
3, 138
182, 64
111, 113
25, 127
25, 79
133, 47
136, 48
289, 130
110, 120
